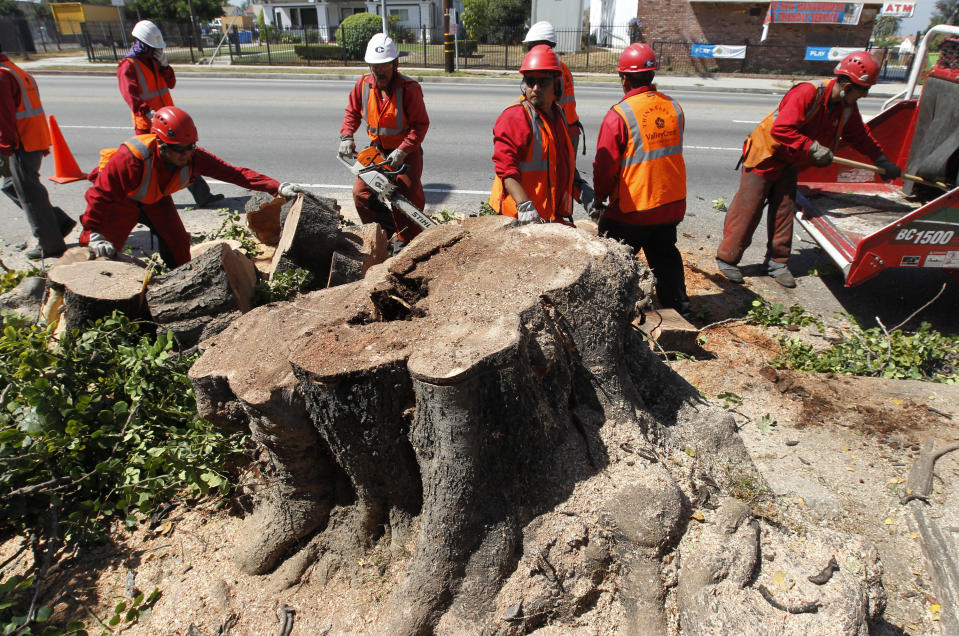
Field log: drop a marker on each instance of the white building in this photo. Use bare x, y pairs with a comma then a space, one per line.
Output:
326, 15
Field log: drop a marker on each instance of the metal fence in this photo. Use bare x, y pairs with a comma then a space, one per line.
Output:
592, 50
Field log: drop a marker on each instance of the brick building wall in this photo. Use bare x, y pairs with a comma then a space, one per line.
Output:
674, 21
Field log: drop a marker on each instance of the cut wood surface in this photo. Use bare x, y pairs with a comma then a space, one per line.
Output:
310, 233
94, 289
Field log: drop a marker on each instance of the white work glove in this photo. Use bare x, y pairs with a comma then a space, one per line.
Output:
396, 159
347, 147
160, 56
821, 156
100, 245
290, 190
526, 212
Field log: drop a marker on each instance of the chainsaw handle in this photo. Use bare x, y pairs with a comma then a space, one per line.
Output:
372, 166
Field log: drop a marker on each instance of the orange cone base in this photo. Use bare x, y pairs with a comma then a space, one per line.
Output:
64, 164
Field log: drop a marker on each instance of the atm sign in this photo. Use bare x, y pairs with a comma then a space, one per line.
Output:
898, 9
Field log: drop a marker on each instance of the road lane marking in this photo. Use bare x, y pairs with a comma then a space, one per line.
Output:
333, 186
744, 121
100, 127
738, 149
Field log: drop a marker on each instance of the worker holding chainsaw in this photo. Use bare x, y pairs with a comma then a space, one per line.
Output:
146, 78
804, 130
135, 181
639, 168
392, 106
532, 152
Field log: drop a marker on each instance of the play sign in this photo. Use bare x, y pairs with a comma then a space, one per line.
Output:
897, 9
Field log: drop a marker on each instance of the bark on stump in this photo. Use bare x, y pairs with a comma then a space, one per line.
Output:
95, 289
493, 409
199, 299
310, 232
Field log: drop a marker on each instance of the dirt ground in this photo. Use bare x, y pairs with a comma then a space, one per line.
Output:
835, 449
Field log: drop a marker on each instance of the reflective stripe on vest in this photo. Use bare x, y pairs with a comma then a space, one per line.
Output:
567, 100
148, 192
651, 174
146, 94
397, 101
31, 122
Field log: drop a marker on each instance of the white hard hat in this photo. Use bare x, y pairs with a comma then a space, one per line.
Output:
380, 49
541, 32
149, 34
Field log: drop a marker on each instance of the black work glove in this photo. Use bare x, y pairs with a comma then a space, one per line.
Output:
5, 166
891, 170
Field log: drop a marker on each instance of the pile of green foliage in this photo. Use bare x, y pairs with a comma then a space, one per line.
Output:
100, 427
355, 32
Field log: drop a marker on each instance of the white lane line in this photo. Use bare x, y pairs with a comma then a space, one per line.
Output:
739, 149
99, 127
744, 121
333, 186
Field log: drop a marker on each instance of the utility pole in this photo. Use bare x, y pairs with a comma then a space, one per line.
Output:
383, 11
448, 36
196, 32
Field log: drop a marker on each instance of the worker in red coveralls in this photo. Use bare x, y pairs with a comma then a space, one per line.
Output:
639, 167
532, 152
392, 106
146, 79
135, 183
804, 130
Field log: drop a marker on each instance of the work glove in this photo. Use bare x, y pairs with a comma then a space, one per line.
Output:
100, 245
891, 170
290, 190
347, 146
821, 156
396, 158
5, 166
526, 212
160, 56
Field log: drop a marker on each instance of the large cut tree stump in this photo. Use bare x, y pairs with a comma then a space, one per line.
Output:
200, 298
508, 443
310, 232
95, 289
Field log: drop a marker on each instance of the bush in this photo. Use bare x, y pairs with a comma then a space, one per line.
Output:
319, 51
355, 31
467, 47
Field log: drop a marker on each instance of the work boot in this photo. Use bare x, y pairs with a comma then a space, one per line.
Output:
213, 198
781, 274
66, 226
397, 246
729, 270
37, 253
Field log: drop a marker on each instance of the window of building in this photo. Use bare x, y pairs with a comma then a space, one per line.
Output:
403, 14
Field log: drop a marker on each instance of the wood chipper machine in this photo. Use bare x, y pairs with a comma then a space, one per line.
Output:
866, 225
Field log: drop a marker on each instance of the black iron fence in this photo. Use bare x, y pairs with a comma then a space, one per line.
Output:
589, 50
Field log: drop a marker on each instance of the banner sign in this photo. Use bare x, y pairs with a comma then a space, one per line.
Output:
828, 53
718, 51
814, 12
897, 9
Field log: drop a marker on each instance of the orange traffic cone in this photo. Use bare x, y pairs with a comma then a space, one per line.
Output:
64, 164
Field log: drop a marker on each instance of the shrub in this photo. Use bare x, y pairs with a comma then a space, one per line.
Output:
319, 51
355, 31
467, 47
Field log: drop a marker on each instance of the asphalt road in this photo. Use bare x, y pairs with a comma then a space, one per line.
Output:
289, 130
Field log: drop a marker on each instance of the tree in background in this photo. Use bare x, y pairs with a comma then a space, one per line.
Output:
475, 18
178, 10
946, 12
884, 31
8, 7
491, 18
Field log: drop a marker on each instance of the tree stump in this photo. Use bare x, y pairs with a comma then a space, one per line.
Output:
504, 430
95, 289
310, 233
359, 248
200, 298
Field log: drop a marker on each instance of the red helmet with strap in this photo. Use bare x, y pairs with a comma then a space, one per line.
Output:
860, 68
172, 125
636, 58
540, 58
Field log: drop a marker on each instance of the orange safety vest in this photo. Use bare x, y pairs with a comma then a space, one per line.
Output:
538, 170
153, 90
761, 145
148, 191
31, 122
652, 171
387, 128
568, 100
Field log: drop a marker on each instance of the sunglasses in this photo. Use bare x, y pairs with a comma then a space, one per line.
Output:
538, 81
181, 149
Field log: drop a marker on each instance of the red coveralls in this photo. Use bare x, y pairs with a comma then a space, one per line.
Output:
773, 180
409, 184
512, 138
112, 213
129, 82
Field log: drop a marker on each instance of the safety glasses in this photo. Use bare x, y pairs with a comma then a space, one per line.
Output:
536, 80
181, 149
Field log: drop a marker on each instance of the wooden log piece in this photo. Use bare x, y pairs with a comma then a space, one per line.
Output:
95, 289
263, 217
309, 237
199, 299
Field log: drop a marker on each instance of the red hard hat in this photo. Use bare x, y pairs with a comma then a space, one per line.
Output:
859, 67
636, 58
540, 58
173, 126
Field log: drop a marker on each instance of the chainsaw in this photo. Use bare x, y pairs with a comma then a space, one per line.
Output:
370, 166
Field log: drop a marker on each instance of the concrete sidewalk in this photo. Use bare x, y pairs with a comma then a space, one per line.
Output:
665, 81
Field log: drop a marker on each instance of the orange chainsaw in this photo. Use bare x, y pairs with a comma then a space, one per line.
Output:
370, 166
